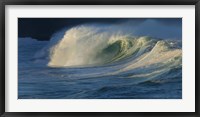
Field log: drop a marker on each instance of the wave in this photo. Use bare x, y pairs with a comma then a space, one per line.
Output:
93, 46
98, 51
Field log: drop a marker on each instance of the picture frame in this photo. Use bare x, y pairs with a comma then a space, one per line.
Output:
3, 113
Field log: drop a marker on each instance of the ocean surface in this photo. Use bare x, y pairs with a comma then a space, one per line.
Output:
90, 62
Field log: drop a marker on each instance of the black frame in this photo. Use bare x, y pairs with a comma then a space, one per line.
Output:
98, 2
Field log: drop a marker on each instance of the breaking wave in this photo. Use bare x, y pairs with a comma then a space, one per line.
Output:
93, 46
104, 52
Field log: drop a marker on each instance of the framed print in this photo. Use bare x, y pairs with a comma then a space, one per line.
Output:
99, 58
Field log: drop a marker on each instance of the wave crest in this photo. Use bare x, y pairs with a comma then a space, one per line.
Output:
92, 46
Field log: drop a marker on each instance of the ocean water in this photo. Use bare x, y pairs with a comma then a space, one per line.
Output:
92, 62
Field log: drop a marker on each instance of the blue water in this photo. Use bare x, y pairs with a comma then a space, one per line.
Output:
36, 80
